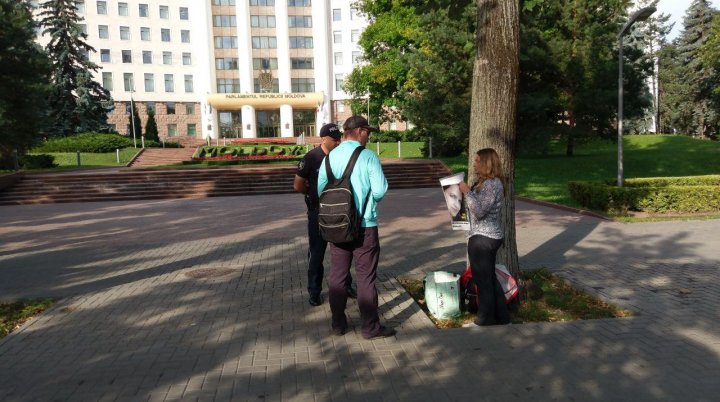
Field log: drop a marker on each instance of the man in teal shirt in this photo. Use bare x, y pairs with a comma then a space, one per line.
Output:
367, 179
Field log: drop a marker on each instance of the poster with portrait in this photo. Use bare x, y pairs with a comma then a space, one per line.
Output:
455, 201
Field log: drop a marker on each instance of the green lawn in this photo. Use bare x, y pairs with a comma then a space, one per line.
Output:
390, 149
545, 178
69, 159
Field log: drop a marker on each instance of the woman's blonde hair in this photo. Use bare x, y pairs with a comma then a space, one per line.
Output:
489, 166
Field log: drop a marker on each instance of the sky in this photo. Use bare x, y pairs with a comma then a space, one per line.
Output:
676, 8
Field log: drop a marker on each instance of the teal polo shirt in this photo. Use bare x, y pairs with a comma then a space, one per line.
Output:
367, 178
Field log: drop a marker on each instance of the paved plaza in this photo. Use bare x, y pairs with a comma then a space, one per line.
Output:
204, 299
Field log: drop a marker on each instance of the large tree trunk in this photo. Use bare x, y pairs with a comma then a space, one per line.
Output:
493, 120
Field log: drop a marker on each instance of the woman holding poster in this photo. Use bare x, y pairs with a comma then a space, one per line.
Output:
484, 201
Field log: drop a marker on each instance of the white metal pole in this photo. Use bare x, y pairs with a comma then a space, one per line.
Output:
378, 148
620, 113
117, 154
399, 154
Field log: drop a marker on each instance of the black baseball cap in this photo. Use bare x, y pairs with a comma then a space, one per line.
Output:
354, 122
330, 129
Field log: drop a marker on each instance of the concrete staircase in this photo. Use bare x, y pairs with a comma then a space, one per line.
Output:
137, 184
162, 156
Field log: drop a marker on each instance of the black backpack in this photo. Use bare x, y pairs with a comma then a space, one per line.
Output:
338, 217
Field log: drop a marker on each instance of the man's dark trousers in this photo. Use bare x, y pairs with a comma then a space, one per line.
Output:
316, 254
366, 253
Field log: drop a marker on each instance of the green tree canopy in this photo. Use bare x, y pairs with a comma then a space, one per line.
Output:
24, 72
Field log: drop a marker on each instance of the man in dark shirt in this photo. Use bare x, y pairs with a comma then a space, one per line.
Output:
306, 183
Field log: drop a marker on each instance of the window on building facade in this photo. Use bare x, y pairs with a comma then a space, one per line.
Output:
223, 2
126, 56
189, 108
337, 14
228, 85
172, 130
340, 107
265, 3
339, 81
300, 21
225, 21
184, 36
124, 33
302, 84
128, 108
301, 63
301, 42
299, 3
184, 13
226, 63
338, 58
165, 34
147, 57
105, 55
262, 21
187, 59
144, 33
169, 83
102, 7
128, 82
103, 32
189, 83
123, 9
83, 28
264, 42
225, 42
143, 10
167, 58
356, 57
191, 130
337, 36
150, 106
354, 35
170, 107
80, 6
353, 14
149, 82
107, 81
265, 63
164, 12
275, 85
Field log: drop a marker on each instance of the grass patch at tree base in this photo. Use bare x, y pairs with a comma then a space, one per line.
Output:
14, 315
549, 299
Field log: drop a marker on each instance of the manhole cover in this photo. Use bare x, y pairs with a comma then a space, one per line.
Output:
207, 273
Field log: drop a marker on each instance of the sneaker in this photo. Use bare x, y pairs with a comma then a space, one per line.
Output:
351, 292
315, 300
385, 332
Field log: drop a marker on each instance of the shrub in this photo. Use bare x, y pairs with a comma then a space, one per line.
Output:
86, 142
663, 194
41, 161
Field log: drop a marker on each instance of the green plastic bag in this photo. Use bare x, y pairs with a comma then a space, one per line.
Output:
442, 294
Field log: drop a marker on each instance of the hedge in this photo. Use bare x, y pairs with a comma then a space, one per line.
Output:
94, 143
663, 194
239, 151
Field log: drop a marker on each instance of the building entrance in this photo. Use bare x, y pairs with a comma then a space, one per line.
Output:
268, 123
304, 123
230, 124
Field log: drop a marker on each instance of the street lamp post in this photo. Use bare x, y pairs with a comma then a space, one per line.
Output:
132, 116
639, 15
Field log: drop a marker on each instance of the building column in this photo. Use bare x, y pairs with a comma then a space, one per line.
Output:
208, 120
248, 121
286, 121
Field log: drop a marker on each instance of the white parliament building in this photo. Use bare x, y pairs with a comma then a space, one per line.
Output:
225, 68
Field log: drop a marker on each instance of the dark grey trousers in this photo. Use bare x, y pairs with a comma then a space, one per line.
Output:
490, 297
366, 254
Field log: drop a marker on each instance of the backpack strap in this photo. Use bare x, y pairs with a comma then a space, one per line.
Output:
351, 163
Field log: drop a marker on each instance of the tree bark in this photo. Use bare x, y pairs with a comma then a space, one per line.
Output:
493, 120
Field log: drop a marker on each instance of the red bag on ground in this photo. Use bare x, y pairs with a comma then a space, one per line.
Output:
507, 283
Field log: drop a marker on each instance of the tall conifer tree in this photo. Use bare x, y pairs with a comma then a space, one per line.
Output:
77, 103
24, 72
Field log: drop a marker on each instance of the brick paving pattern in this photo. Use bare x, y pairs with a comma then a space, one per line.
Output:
202, 299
